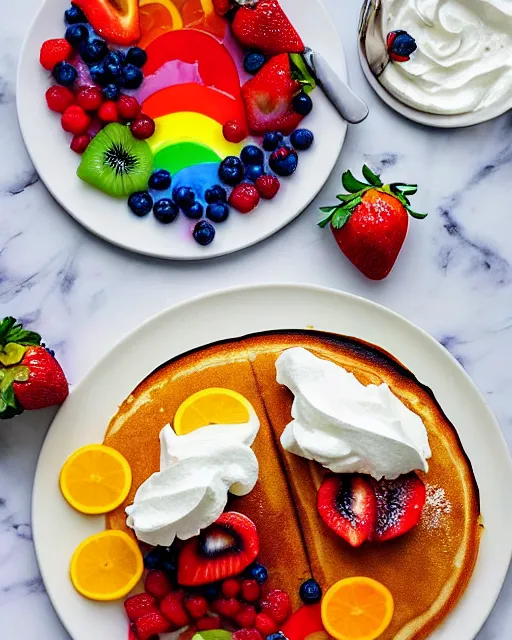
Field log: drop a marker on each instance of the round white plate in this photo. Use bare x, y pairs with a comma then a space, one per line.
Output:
84, 417
432, 119
110, 218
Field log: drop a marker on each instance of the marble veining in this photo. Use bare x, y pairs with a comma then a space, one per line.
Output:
453, 278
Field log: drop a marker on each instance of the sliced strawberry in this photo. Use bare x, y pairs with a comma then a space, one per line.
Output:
268, 98
222, 550
151, 625
399, 506
117, 22
223, 6
140, 605
266, 27
347, 505
46, 384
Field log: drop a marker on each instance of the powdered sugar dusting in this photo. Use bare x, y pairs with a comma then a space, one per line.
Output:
436, 507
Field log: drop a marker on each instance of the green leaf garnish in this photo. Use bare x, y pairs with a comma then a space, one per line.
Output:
11, 353
12, 331
9, 406
301, 73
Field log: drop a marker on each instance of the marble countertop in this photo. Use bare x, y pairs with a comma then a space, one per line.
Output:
453, 278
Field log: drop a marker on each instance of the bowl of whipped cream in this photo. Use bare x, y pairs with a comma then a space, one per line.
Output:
461, 72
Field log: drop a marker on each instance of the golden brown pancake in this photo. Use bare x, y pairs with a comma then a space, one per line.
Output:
426, 570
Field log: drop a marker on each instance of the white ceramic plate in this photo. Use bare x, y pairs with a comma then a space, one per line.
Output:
109, 218
84, 418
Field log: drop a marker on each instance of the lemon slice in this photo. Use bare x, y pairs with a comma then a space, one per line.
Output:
211, 406
95, 479
106, 566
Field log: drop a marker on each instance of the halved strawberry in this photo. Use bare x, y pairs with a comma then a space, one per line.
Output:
117, 22
347, 505
224, 549
266, 27
399, 506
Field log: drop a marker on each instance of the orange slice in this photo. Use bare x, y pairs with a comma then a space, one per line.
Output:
357, 609
106, 566
95, 479
211, 406
157, 17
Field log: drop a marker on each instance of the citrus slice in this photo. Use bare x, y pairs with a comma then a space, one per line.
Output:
106, 566
211, 406
357, 609
157, 17
95, 479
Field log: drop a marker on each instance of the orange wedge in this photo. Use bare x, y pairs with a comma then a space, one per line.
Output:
211, 406
106, 566
95, 479
357, 609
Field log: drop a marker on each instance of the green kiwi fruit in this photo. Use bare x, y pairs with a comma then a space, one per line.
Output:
115, 162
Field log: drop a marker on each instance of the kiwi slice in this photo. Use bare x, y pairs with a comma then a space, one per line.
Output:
115, 162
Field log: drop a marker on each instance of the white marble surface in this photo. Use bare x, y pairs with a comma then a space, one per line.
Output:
453, 278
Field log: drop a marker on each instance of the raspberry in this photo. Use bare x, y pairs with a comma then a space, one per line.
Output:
143, 127
244, 197
151, 625
80, 143
250, 590
128, 107
75, 120
208, 623
157, 584
234, 131
247, 634
172, 608
53, 51
196, 606
246, 616
277, 603
59, 98
265, 624
140, 605
89, 98
227, 607
108, 112
231, 588
268, 186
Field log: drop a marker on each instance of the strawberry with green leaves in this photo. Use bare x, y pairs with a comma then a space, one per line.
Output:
370, 222
30, 377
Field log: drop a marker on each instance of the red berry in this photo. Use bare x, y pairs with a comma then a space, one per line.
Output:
208, 623
247, 634
128, 107
143, 127
268, 186
231, 588
172, 608
108, 112
157, 584
250, 590
196, 606
244, 197
265, 624
140, 605
89, 98
53, 51
131, 633
151, 625
80, 143
277, 603
227, 607
59, 98
246, 616
75, 120
234, 131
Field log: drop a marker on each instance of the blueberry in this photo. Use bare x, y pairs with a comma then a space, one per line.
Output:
217, 212
253, 172
204, 232
310, 592
253, 62
302, 139
184, 197
284, 161
74, 15
93, 50
194, 211
276, 636
251, 154
160, 180
140, 203
215, 194
211, 591
99, 74
165, 210
272, 140
402, 44
115, 56
111, 92
153, 559
64, 73
132, 77
302, 103
231, 170
256, 572
114, 67
136, 56
76, 33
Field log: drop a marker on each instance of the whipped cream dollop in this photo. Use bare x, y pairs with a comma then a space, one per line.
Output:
346, 426
191, 489
464, 57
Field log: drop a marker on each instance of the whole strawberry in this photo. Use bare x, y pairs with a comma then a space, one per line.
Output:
46, 384
370, 223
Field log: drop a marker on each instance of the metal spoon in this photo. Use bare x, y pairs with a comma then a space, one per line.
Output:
371, 36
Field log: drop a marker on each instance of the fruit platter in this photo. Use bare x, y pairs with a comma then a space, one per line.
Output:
180, 128
263, 481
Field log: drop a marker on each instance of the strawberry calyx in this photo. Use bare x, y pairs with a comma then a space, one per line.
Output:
339, 214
